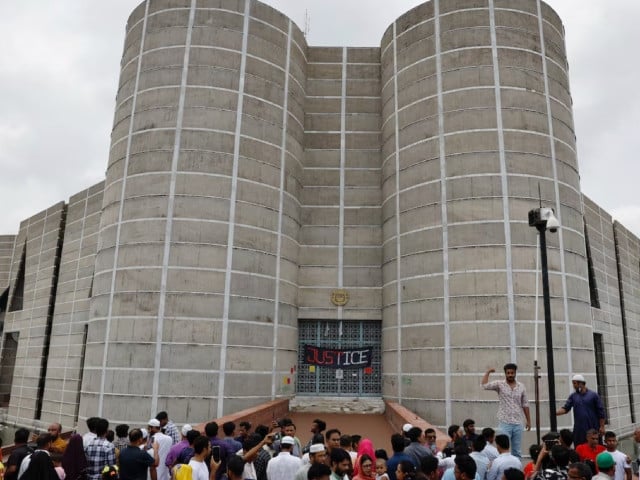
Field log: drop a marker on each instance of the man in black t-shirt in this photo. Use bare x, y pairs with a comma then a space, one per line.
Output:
20, 439
134, 463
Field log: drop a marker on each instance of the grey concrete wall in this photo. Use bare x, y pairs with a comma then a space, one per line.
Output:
71, 314
196, 274
38, 237
341, 234
628, 250
6, 252
606, 312
476, 115
8, 353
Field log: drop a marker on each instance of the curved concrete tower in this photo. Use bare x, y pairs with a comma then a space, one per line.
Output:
194, 297
476, 119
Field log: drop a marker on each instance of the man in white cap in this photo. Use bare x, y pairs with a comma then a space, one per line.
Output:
317, 454
165, 442
588, 410
175, 450
284, 466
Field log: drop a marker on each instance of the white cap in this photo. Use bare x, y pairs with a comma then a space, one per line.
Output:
578, 378
316, 447
406, 427
145, 433
287, 440
154, 423
186, 428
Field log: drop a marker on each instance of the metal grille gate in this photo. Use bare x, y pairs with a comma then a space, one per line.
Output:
340, 335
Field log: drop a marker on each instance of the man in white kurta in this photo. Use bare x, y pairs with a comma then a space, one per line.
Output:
285, 465
165, 442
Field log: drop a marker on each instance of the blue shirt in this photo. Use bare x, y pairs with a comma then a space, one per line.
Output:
482, 464
393, 462
587, 412
416, 451
502, 463
234, 445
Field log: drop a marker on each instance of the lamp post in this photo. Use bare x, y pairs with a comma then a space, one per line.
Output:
544, 219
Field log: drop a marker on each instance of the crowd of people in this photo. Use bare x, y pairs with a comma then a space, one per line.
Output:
162, 451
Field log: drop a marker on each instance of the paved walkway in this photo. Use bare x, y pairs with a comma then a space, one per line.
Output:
374, 427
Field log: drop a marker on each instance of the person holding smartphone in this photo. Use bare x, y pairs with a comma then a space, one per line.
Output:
136, 463
552, 462
211, 431
202, 448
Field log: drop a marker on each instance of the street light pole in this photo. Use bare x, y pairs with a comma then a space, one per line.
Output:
543, 219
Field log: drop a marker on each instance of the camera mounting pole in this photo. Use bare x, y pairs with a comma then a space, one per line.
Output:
544, 219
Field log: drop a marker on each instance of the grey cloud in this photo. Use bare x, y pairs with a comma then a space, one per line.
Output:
58, 81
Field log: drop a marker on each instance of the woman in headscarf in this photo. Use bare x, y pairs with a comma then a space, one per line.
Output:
74, 461
40, 468
365, 467
365, 448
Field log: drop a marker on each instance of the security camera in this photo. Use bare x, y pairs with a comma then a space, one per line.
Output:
548, 215
553, 224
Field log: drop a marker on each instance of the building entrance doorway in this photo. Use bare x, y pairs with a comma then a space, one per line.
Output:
339, 358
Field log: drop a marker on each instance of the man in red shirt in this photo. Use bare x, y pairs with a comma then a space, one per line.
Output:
591, 449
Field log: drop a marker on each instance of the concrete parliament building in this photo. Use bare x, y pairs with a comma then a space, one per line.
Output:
263, 196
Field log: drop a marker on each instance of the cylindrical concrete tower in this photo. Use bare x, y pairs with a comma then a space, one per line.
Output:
476, 120
194, 297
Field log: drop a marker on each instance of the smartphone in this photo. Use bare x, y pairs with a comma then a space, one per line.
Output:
215, 453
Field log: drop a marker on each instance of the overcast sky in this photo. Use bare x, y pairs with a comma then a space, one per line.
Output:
60, 61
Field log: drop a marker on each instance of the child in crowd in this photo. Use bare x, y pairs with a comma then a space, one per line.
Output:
110, 472
529, 468
381, 469
56, 458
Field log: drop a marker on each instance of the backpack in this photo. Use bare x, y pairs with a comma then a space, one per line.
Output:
183, 471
